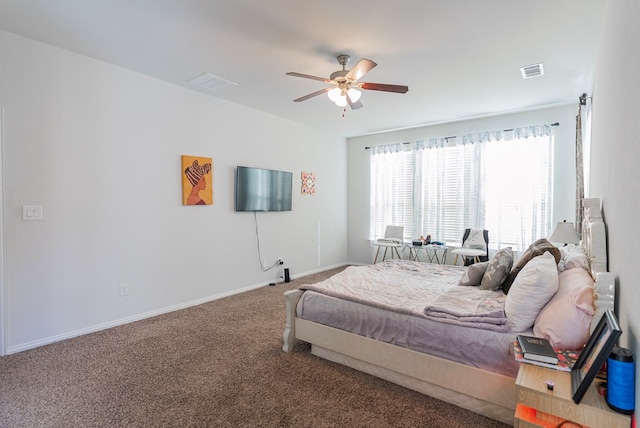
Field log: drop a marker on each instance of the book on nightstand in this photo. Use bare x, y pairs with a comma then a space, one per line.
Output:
566, 359
537, 349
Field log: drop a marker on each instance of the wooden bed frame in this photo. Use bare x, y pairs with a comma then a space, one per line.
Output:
484, 392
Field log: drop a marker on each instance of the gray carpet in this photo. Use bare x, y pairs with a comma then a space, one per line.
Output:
219, 364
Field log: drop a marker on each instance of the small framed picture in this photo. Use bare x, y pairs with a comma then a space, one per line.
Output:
197, 180
594, 354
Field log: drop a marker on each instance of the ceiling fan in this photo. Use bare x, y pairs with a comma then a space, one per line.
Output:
344, 83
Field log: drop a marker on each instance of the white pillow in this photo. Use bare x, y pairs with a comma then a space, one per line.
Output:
534, 286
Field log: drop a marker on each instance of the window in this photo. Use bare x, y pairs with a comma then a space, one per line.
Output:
500, 181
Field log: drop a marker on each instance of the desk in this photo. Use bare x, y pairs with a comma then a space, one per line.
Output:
433, 253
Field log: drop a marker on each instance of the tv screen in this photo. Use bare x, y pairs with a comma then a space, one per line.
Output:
260, 189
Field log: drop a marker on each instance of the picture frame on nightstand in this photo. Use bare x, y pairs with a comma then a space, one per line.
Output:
594, 354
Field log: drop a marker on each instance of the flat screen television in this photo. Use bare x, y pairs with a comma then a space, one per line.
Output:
260, 189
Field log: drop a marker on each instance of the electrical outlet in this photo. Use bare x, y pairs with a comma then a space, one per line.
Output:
124, 289
280, 261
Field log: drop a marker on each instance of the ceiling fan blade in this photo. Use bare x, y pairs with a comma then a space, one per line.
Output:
354, 106
308, 76
360, 69
311, 95
401, 89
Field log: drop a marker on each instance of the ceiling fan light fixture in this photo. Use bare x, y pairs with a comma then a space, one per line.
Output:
345, 88
334, 94
354, 95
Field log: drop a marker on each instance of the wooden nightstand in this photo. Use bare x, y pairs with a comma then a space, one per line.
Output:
539, 407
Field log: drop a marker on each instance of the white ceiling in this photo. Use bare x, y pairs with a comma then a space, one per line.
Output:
460, 58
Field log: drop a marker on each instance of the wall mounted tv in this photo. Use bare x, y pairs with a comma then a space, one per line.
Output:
260, 189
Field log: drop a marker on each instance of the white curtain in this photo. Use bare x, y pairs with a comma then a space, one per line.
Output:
391, 190
519, 187
451, 187
500, 181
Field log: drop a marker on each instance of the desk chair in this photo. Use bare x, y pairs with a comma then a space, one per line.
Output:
393, 239
475, 247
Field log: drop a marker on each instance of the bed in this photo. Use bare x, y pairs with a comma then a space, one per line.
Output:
425, 332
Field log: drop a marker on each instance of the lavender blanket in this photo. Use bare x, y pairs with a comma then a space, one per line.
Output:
470, 307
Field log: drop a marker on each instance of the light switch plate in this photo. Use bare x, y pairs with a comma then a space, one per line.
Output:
32, 212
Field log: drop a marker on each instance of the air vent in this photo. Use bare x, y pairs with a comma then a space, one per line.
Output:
534, 70
211, 82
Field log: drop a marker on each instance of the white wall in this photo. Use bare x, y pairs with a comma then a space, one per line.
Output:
99, 147
360, 249
615, 176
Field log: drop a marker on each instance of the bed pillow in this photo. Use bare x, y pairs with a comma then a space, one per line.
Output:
573, 256
534, 286
536, 249
498, 269
566, 319
473, 274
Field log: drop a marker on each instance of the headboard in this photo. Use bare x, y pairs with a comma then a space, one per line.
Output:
594, 238
594, 241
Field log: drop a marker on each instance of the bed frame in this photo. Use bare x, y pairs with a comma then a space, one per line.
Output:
484, 392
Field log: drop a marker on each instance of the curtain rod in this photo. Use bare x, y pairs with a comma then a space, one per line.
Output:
583, 99
455, 136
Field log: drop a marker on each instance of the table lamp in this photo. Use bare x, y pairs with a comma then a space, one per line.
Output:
564, 232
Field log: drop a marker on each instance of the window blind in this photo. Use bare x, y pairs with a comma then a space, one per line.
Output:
493, 180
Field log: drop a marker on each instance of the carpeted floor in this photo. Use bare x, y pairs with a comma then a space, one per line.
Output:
219, 364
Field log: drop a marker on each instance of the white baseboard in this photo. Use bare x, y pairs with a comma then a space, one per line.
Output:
139, 317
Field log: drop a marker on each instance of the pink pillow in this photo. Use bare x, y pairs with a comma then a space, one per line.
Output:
565, 320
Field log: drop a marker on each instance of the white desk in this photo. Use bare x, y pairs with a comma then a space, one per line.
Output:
433, 253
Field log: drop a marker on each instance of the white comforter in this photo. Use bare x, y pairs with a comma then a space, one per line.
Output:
420, 289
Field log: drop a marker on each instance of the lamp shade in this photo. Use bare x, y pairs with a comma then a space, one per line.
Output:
564, 233
354, 95
341, 101
334, 94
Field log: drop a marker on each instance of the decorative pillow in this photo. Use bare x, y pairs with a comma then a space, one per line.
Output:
577, 260
573, 256
566, 250
566, 319
473, 274
498, 269
534, 286
536, 249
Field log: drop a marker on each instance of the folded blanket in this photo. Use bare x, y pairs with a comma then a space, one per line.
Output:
470, 307
402, 286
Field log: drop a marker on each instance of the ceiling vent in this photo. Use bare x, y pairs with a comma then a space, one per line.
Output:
534, 70
211, 82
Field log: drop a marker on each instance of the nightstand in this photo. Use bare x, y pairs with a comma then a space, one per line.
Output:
539, 407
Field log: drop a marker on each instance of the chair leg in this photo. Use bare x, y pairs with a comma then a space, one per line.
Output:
455, 260
376, 258
397, 252
384, 256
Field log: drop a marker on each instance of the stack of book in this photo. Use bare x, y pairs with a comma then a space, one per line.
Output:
538, 351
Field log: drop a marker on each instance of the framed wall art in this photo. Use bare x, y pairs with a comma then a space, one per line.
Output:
308, 183
197, 180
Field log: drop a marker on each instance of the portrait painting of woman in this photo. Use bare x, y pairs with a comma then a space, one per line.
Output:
197, 180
